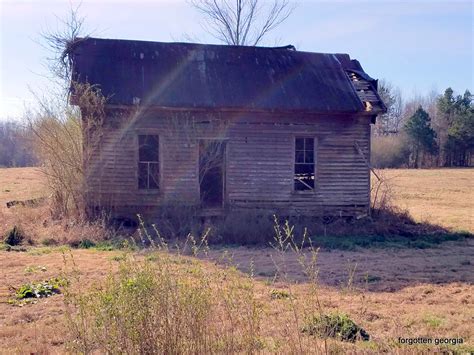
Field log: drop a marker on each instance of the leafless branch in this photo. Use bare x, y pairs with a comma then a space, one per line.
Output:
242, 22
61, 41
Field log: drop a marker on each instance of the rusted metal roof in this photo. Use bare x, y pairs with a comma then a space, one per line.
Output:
187, 75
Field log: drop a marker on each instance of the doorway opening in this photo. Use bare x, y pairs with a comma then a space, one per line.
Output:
212, 172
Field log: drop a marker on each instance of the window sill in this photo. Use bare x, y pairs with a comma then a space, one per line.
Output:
305, 192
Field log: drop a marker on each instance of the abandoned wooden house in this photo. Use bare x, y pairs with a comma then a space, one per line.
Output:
227, 127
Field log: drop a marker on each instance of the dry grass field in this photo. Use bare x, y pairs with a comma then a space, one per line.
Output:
391, 293
20, 184
423, 309
439, 196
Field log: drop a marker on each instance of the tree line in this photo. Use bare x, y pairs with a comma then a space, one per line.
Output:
436, 130
15, 145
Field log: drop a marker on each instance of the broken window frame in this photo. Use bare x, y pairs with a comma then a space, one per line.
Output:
308, 157
151, 163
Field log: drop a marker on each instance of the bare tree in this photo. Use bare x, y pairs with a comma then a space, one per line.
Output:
242, 22
60, 42
391, 121
65, 136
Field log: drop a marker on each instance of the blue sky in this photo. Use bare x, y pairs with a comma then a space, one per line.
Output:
419, 46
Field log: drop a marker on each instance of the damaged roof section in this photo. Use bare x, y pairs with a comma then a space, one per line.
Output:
366, 89
187, 75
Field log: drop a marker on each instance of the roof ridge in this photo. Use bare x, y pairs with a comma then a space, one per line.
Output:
288, 47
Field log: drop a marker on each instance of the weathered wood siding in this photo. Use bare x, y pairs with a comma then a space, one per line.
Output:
259, 161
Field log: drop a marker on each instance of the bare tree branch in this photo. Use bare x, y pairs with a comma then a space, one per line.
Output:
61, 42
242, 22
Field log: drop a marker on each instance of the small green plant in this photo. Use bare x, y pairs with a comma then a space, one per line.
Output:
151, 257
41, 289
86, 244
106, 246
433, 321
276, 294
335, 325
14, 236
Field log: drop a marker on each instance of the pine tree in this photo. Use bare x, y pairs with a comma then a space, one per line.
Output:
458, 115
421, 135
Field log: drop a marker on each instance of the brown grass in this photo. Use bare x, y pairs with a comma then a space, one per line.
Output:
390, 293
408, 312
438, 196
373, 269
21, 184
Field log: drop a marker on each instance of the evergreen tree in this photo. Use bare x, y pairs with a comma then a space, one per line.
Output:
458, 115
421, 135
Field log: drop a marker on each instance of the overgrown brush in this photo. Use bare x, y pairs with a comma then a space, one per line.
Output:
164, 304
167, 302
64, 138
334, 325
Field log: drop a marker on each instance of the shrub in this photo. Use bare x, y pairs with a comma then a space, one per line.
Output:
14, 236
164, 306
86, 244
59, 133
335, 325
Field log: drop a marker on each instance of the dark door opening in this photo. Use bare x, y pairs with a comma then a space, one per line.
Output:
212, 172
